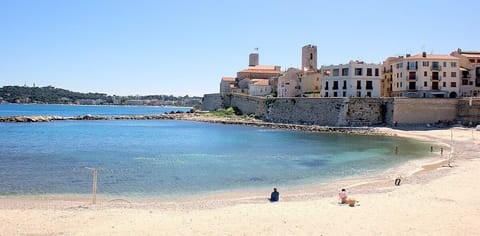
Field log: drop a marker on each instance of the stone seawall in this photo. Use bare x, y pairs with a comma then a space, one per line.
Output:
468, 110
350, 111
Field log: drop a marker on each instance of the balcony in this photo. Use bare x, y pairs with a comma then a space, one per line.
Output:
436, 68
412, 67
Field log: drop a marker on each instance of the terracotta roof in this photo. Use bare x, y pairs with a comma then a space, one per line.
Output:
471, 55
261, 69
228, 79
432, 57
262, 82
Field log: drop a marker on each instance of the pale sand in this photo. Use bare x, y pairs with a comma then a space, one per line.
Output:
435, 200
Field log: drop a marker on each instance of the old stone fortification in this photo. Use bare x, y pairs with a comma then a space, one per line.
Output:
349, 111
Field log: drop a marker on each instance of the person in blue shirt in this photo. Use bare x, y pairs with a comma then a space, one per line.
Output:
275, 195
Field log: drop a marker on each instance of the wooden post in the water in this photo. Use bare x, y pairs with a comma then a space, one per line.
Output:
441, 151
94, 184
396, 150
431, 148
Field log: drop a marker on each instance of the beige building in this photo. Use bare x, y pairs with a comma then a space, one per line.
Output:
251, 76
355, 79
259, 87
310, 83
425, 75
227, 84
469, 66
289, 83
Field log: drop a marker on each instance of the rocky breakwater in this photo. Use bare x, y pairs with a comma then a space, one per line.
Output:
30, 118
205, 117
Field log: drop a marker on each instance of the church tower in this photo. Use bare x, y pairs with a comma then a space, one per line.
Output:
253, 59
309, 57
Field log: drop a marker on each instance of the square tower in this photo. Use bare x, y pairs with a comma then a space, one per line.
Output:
309, 57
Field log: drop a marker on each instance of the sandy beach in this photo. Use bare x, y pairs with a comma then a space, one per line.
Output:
433, 199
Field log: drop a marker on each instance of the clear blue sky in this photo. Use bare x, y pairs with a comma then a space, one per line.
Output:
182, 48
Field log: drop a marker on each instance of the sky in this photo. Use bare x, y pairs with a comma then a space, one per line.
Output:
179, 48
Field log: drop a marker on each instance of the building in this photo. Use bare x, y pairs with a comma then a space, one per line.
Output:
289, 83
355, 79
387, 81
310, 83
425, 75
469, 66
251, 76
259, 87
227, 84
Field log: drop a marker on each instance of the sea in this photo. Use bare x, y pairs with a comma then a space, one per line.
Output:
171, 158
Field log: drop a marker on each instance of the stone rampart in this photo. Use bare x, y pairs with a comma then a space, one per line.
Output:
350, 111
424, 110
469, 110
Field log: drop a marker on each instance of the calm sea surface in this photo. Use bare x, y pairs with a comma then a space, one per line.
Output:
169, 158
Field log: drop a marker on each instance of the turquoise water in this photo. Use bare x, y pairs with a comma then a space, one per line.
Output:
171, 158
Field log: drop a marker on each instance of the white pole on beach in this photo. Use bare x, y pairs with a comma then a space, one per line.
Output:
451, 149
94, 184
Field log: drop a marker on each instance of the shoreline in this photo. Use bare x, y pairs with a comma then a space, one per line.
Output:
420, 183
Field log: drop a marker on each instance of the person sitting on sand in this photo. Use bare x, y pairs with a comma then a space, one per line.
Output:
343, 196
274, 196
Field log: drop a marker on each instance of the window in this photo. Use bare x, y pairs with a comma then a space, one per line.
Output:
344, 94
369, 84
412, 65
397, 84
472, 60
425, 63
444, 74
478, 60
401, 75
326, 86
369, 71
359, 94
399, 65
453, 74
453, 64
335, 85
335, 94
358, 71
336, 72
453, 84
359, 84
344, 71
369, 94
401, 85
435, 65
425, 73
444, 84
444, 64
311, 56
326, 94
377, 72
397, 75
344, 85
425, 84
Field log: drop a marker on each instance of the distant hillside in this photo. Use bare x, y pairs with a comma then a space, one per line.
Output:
52, 95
